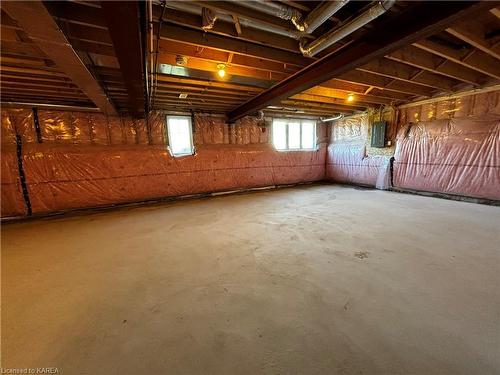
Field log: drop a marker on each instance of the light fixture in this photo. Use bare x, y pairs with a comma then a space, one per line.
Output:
221, 70
350, 97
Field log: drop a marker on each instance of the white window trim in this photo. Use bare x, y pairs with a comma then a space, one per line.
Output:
191, 144
287, 121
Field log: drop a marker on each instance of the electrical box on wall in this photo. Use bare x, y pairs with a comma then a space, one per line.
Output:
378, 134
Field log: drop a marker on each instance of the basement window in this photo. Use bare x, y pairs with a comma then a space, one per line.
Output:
294, 135
180, 135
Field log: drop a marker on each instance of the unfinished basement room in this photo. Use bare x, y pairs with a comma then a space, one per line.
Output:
250, 187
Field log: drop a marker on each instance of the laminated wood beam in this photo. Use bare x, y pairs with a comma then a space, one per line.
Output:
37, 22
122, 20
415, 24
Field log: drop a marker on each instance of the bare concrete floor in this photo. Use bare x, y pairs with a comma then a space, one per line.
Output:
309, 280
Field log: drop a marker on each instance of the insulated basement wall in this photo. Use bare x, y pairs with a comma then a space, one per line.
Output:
350, 159
451, 146
448, 146
88, 159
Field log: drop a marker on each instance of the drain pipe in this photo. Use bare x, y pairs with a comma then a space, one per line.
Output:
341, 32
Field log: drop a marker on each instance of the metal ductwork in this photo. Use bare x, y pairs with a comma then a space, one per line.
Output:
314, 19
191, 8
341, 32
321, 13
277, 10
339, 117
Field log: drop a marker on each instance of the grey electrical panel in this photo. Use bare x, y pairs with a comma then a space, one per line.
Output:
378, 134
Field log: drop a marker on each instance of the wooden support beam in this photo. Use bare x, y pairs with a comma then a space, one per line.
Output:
122, 20
37, 22
393, 69
231, 69
316, 99
199, 38
321, 91
78, 13
476, 60
385, 83
203, 83
421, 21
217, 56
496, 12
237, 25
425, 60
470, 33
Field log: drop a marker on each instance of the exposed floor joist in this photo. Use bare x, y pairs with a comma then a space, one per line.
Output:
476, 60
422, 21
47, 36
413, 56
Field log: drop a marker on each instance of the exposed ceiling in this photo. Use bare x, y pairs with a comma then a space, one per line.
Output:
103, 51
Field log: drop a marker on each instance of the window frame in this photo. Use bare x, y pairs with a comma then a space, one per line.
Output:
191, 143
295, 120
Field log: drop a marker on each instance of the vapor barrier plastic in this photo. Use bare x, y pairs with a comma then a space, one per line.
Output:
453, 156
347, 160
348, 163
61, 177
88, 159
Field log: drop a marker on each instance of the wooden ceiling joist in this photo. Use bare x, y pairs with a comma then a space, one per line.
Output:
122, 20
199, 38
37, 22
77, 13
473, 59
321, 91
425, 60
231, 69
470, 33
420, 22
393, 69
385, 83
217, 56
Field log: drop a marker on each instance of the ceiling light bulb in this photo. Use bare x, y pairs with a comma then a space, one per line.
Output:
222, 70
350, 97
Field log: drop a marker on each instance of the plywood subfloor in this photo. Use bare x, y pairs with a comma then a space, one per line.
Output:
309, 280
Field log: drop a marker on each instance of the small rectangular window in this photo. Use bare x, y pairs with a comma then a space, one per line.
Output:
294, 134
180, 135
